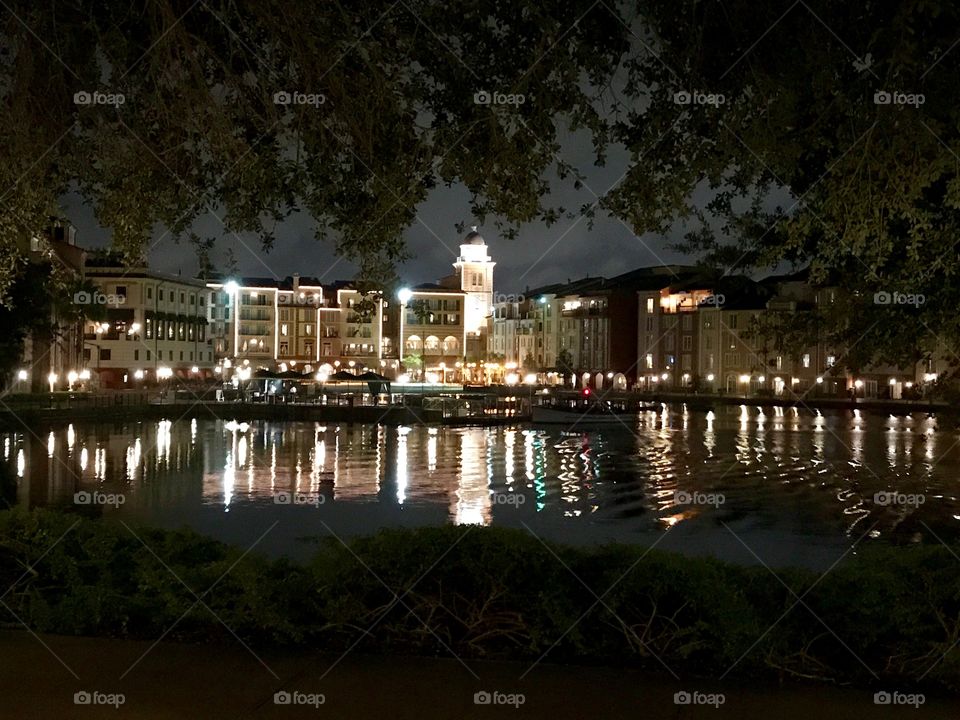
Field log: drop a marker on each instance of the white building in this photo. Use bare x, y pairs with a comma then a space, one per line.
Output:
152, 326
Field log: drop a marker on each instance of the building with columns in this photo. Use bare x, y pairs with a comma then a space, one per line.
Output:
299, 323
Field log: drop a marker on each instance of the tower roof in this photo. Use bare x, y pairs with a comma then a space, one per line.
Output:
473, 237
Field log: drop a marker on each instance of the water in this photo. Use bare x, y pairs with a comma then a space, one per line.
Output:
797, 487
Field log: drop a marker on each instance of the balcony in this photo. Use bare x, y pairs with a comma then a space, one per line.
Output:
584, 312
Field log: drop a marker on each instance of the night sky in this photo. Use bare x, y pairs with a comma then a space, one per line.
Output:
540, 255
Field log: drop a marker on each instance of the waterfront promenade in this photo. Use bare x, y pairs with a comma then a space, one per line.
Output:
413, 404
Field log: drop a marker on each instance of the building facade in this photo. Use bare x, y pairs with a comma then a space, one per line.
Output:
149, 326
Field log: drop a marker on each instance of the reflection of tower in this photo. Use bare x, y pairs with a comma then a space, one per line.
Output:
473, 489
474, 268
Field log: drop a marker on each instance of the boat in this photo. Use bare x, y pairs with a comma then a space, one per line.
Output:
581, 416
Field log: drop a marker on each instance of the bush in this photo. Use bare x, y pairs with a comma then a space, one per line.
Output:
498, 593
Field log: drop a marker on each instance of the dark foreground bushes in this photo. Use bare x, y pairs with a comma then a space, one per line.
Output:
497, 593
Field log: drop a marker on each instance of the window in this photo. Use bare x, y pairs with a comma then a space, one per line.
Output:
284, 348
149, 293
104, 353
649, 324
649, 361
283, 330
688, 322
182, 298
831, 360
686, 343
136, 354
308, 329
159, 294
806, 360
122, 290
650, 305
732, 322
779, 362
686, 362
148, 354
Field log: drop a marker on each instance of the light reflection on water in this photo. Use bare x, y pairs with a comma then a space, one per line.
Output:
798, 486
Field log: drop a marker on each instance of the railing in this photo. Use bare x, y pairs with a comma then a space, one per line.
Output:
75, 400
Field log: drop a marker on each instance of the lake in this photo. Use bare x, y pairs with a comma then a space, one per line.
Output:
777, 485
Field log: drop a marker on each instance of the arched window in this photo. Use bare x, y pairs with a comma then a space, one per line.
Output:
450, 345
431, 344
414, 344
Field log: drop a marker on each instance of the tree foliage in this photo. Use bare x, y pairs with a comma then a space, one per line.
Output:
379, 110
786, 116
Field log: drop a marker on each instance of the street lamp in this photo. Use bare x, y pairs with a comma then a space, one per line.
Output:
52, 380
403, 295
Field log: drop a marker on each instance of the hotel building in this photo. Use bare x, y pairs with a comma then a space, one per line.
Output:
143, 325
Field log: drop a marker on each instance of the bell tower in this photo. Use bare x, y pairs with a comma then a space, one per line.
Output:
474, 267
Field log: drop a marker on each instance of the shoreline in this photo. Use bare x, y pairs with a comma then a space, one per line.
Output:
115, 409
